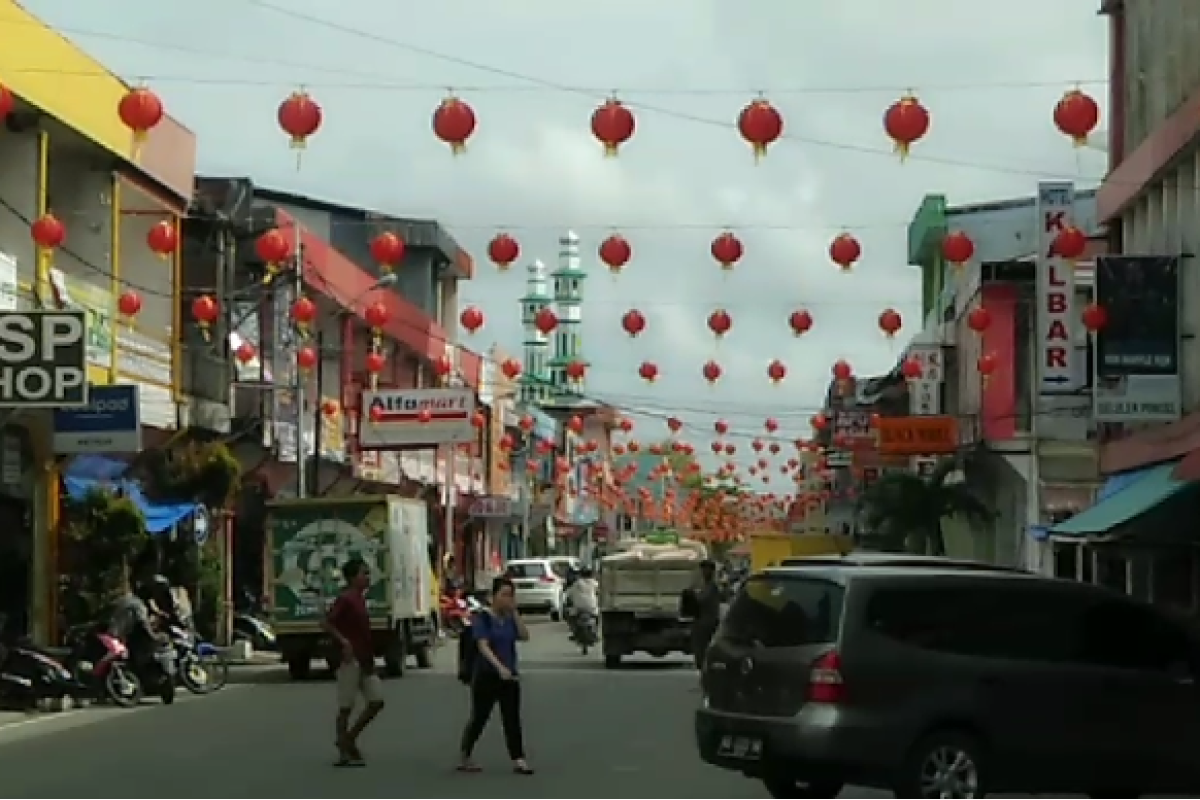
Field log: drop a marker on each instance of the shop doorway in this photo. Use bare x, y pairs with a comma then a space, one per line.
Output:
16, 566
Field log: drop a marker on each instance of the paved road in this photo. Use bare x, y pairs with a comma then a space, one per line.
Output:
591, 733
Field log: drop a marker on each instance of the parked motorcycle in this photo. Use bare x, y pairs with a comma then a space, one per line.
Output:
31, 679
200, 665
456, 610
100, 663
254, 630
585, 630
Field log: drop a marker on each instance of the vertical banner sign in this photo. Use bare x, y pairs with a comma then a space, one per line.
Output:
1058, 372
1137, 351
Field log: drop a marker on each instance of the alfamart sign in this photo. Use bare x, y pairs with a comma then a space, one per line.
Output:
43, 359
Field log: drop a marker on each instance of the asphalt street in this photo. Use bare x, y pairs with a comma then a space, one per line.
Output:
591, 733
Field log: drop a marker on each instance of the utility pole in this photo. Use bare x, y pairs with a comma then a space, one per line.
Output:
317, 415
301, 398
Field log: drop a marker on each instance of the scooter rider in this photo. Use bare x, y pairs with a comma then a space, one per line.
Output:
131, 623
584, 595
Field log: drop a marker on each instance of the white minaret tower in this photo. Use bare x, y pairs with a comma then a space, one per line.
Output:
568, 300
535, 383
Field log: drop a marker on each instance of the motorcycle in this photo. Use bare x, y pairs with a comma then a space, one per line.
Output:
31, 680
455, 613
201, 667
585, 630
100, 662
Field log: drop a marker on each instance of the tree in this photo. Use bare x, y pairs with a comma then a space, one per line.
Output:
905, 511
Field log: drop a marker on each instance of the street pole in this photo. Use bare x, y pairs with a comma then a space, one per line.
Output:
314, 464
298, 384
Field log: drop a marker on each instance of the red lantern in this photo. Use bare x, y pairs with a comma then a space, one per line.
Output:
761, 125
890, 322
800, 322
906, 122
48, 232
376, 414
613, 124
727, 249
633, 322
576, 370
721, 427
300, 117
957, 248
1076, 115
424, 416
1095, 317
712, 371
330, 408
842, 370
7, 101
648, 371
471, 319
719, 322
504, 251
272, 247
161, 238
615, 252
374, 362
245, 353
986, 364
819, 422
776, 371
1069, 243
771, 424
674, 424
388, 250
129, 303
912, 369
845, 251
479, 421
626, 425
546, 321
205, 310
306, 358
140, 110
304, 311
511, 368
376, 315
453, 123
979, 320
443, 366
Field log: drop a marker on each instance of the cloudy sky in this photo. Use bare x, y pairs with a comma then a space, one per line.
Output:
534, 69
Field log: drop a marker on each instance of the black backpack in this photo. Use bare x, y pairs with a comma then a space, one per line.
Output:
468, 654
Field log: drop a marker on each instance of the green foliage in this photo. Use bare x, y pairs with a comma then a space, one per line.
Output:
104, 534
904, 511
206, 473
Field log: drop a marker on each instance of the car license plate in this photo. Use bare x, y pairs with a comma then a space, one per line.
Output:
742, 747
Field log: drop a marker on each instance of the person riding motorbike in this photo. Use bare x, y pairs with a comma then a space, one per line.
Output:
131, 622
583, 596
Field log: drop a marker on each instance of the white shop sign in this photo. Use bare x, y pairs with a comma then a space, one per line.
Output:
1058, 372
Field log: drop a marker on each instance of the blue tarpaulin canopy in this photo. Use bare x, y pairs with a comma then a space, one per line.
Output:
87, 473
1122, 499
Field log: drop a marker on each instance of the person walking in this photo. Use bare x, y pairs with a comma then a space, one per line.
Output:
707, 599
494, 680
349, 624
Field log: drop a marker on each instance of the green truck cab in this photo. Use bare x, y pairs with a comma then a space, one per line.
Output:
308, 542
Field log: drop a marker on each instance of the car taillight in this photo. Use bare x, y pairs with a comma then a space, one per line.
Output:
549, 579
825, 684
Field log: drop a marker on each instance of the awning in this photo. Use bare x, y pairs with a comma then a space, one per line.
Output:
88, 473
1119, 504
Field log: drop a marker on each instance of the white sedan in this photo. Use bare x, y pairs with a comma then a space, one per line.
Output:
539, 587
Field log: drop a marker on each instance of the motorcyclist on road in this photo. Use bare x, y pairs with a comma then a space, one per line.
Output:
584, 593
132, 623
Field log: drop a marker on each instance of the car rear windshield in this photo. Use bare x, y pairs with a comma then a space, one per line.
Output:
528, 570
785, 611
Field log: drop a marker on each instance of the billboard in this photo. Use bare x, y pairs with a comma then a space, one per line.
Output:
43, 359
1137, 351
401, 418
1059, 370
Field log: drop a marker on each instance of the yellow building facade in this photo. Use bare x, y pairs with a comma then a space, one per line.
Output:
59, 147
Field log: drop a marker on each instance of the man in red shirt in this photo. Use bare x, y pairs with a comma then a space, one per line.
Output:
349, 623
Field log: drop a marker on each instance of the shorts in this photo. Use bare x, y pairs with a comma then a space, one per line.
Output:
351, 682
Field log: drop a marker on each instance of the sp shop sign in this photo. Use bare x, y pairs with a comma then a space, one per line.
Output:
43, 359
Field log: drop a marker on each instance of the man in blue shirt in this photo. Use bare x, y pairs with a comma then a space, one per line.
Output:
496, 631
